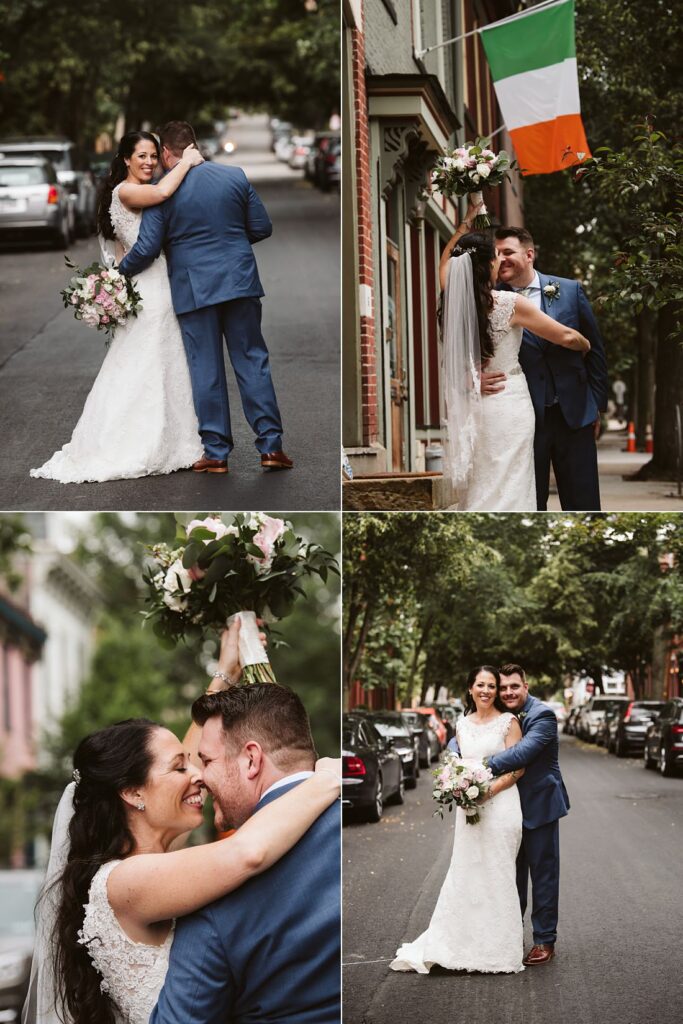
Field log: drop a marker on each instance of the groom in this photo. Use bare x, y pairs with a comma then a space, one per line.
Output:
270, 950
544, 801
568, 390
207, 229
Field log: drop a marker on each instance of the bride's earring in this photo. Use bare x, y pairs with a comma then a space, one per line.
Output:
141, 806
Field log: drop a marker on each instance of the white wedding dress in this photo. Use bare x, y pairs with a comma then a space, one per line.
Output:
132, 972
503, 477
139, 417
477, 922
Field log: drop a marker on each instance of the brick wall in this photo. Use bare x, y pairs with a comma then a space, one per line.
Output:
370, 419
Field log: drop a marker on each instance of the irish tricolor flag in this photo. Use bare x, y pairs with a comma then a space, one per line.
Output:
533, 66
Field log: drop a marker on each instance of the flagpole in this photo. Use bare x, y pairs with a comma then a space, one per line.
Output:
419, 54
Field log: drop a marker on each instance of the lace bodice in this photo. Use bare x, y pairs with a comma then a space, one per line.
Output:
479, 741
126, 224
506, 340
132, 972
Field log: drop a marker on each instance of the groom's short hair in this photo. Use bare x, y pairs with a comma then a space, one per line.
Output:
177, 136
523, 236
271, 714
511, 670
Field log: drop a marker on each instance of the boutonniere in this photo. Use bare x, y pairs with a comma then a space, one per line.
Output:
522, 715
551, 291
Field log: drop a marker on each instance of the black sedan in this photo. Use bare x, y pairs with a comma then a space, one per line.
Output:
627, 727
390, 725
664, 738
372, 773
429, 746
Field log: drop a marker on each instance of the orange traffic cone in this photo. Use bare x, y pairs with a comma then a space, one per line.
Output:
631, 443
649, 442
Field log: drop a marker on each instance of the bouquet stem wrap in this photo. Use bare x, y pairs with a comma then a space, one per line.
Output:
253, 658
482, 220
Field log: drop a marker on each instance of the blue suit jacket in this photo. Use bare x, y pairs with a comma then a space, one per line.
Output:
206, 228
581, 382
270, 950
541, 790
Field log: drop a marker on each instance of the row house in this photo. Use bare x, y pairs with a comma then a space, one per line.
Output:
21, 644
401, 109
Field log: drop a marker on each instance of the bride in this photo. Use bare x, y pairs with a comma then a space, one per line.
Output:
114, 885
489, 438
139, 417
477, 924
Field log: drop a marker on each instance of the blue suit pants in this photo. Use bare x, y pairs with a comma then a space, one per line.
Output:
203, 331
539, 856
574, 458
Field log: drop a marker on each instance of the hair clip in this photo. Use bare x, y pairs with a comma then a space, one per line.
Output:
76, 776
461, 252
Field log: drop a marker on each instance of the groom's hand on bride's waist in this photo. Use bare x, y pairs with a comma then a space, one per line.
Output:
493, 382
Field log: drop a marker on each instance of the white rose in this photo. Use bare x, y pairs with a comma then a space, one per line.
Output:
483, 170
459, 164
475, 177
472, 793
177, 578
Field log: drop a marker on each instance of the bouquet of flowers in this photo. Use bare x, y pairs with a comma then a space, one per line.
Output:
251, 567
466, 169
462, 784
101, 296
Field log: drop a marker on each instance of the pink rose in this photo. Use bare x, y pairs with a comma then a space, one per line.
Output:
212, 523
269, 532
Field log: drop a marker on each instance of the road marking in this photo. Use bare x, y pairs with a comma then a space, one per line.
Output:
361, 963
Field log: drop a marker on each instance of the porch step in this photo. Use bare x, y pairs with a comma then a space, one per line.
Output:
393, 492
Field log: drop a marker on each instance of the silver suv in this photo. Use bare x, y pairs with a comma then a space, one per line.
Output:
72, 171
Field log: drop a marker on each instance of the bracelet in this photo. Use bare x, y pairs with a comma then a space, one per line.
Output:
221, 675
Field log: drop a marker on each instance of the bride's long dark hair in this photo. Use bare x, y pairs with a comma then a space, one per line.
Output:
470, 706
108, 761
482, 251
118, 172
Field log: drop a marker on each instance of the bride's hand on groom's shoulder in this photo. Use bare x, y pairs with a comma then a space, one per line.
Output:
193, 156
329, 765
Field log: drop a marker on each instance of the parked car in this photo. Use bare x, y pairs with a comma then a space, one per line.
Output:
626, 729
449, 715
602, 735
33, 202
391, 726
663, 746
592, 713
570, 722
18, 894
427, 738
316, 158
372, 773
329, 171
436, 723
279, 129
72, 170
301, 147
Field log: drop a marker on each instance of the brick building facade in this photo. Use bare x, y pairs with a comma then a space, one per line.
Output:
400, 112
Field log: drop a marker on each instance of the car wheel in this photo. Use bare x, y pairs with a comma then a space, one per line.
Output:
665, 766
400, 796
411, 782
648, 762
377, 809
62, 238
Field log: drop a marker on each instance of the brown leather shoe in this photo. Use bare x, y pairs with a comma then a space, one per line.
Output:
540, 954
276, 460
205, 465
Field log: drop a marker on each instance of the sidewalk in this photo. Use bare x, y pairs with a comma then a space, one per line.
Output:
618, 495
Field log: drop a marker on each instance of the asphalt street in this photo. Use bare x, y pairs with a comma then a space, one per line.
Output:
619, 940
48, 362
